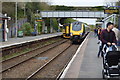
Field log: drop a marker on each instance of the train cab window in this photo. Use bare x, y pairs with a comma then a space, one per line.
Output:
76, 26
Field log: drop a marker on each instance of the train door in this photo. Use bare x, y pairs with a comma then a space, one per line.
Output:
68, 31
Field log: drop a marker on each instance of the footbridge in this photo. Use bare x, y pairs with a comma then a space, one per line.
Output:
73, 14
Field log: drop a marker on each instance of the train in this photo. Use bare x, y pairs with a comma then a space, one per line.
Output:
66, 31
75, 31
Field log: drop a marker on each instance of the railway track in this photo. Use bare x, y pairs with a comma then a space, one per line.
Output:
45, 70
12, 62
48, 68
33, 74
8, 70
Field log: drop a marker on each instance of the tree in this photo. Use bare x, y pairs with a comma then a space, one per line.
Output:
55, 24
9, 8
69, 20
27, 29
92, 27
39, 27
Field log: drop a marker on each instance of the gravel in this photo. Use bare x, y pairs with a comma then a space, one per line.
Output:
27, 68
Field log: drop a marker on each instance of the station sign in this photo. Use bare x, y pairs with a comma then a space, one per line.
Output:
39, 20
0, 25
111, 11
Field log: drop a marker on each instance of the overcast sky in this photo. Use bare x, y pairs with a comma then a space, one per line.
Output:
81, 2
78, 2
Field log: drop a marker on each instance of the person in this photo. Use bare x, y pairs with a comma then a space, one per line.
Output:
115, 29
95, 32
119, 38
99, 42
99, 32
107, 37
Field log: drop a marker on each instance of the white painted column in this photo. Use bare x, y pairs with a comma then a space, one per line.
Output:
43, 27
45, 31
114, 19
51, 27
6, 29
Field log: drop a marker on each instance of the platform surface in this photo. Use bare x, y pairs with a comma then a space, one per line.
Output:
86, 64
15, 41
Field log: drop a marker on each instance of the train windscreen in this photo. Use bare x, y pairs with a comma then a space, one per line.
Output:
76, 26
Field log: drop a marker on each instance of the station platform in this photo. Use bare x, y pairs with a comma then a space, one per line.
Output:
85, 63
16, 41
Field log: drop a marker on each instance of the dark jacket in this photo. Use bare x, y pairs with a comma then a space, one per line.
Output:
108, 36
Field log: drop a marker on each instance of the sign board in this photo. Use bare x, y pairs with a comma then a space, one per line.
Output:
111, 11
39, 20
0, 25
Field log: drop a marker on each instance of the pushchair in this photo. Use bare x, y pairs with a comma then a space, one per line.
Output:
111, 62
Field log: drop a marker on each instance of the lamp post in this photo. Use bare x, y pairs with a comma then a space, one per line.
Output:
16, 20
37, 11
35, 26
24, 10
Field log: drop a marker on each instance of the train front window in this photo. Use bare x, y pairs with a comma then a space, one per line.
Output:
76, 26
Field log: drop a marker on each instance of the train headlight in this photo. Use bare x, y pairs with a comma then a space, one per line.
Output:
81, 34
71, 34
